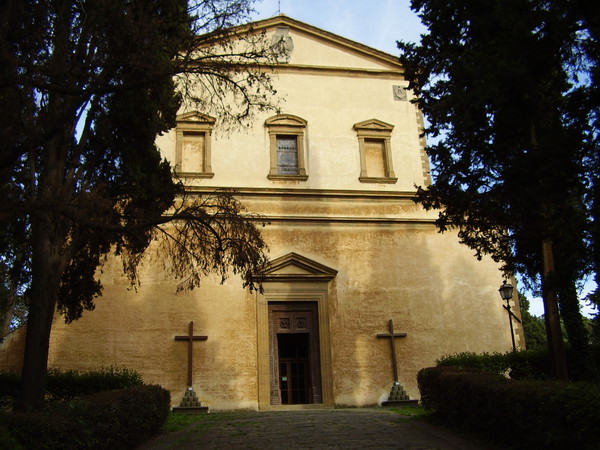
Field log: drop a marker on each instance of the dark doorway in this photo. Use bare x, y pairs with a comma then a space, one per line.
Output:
293, 368
294, 348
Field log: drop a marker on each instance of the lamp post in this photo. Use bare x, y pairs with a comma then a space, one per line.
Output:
506, 292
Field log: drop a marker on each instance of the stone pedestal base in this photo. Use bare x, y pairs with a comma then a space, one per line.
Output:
190, 404
398, 396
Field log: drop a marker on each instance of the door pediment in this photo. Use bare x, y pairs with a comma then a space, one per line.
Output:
295, 267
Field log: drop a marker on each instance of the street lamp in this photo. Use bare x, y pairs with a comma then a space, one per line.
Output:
506, 292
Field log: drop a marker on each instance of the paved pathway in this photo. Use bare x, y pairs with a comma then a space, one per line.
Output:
374, 428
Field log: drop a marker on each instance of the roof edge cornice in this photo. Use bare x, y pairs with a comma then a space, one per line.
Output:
300, 192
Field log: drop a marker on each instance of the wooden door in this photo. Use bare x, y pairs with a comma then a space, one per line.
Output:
294, 353
294, 363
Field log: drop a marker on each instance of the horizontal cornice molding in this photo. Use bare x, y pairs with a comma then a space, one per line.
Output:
306, 193
333, 70
320, 194
343, 219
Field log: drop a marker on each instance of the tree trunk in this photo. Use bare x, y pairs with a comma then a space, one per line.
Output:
47, 268
551, 316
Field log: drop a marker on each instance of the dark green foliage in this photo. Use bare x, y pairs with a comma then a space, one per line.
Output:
9, 385
535, 332
121, 419
523, 414
67, 385
533, 327
505, 86
521, 365
7, 442
13, 304
85, 89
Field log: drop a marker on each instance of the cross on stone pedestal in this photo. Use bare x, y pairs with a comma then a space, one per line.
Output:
397, 394
391, 335
190, 403
190, 338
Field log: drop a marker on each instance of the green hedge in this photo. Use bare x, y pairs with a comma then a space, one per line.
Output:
67, 385
9, 386
529, 364
524, 414
521, 365
121, 419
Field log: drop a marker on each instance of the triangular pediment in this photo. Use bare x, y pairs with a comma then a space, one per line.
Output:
312, 46
195, 117
295, 267
373, 125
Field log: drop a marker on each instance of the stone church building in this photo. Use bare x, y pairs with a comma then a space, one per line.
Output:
353, 257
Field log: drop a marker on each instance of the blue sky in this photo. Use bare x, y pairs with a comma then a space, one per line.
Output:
376, 23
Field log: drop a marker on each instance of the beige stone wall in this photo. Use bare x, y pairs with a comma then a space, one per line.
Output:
332, 87
390, 260
309, 50
11, 351
332, 155
431, 287
424, 281
137, 330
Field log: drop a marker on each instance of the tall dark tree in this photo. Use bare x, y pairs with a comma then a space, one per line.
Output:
495, 80
85, 88
587, 13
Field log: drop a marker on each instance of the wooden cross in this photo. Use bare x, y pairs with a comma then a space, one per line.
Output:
190, 338
391, 335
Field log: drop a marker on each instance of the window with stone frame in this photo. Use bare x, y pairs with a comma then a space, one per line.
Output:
193, 145
374, 144
287, 154
287, 147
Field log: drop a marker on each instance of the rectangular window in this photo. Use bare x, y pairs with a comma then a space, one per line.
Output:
375, 147
192, 145
287, 148
375, 157
287, 155
192, 157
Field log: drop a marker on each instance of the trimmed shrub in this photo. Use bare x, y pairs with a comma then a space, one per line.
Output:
67, 385
121, 419
527, 364
9, 387
521, 365
534, 414
70, 384
7, 442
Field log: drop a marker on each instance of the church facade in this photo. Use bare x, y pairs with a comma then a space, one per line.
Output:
362, 290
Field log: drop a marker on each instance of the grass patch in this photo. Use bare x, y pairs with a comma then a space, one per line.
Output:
411, 411
176, 422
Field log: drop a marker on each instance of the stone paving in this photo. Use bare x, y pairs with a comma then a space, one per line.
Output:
374, 428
